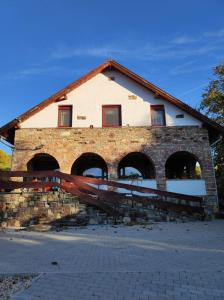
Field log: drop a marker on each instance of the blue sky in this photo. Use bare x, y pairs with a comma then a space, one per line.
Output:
47, 44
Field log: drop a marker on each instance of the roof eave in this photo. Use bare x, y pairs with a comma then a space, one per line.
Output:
111, 63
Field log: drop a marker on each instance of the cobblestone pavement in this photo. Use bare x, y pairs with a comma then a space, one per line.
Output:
126, 285
170, 261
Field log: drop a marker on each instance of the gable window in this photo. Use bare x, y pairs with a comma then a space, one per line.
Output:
158, 115
111, 115
180, 116
65, 116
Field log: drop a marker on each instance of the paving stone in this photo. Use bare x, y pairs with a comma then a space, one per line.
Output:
133, 264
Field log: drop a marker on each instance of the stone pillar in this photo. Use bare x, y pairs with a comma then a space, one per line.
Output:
112, 171
65, 169
66, 161
19, 160
208, 174
19, 163
160, 176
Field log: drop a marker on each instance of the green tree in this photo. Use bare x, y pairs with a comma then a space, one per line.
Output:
5, 161
212, 105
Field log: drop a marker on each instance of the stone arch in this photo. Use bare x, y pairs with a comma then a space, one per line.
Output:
183, 165
42, 162
136, 164
91, 165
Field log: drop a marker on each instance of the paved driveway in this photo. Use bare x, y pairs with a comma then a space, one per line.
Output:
171, 261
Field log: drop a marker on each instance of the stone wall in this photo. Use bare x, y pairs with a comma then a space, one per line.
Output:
112, 144
50, 210
27, 208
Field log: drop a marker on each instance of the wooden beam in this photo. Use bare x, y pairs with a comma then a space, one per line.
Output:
157, 95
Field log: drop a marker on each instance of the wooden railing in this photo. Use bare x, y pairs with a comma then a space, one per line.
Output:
89, 192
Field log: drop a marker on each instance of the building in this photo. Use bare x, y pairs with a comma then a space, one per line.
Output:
114, 124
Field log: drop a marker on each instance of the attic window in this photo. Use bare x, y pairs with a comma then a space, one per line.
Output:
111, 115
158, 115
65, 116
180, 116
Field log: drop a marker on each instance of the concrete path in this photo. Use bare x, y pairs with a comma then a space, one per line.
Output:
171, 261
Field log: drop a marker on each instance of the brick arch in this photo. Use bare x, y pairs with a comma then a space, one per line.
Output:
152, 154
182, 164
147, 151
42, 161
20, 161
68, 159
130, 159
87, 161
196, 154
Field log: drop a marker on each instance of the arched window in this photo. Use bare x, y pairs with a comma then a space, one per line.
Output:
136, 165
42, 162
90, 165
183, 165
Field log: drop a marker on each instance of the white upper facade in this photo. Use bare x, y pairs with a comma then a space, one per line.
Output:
87, 101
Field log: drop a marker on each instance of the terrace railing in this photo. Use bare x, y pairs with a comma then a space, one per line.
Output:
92, 191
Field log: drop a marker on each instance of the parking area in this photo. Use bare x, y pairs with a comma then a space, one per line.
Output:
159, 261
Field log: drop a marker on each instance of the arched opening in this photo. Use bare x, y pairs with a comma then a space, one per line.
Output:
90, 165
183, 165
42, 162
136, 165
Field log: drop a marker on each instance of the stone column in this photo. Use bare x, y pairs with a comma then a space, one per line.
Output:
160, 176
208, 174
19, 160
65, 169
112, 171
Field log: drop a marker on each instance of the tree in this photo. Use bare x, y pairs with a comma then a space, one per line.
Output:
212, 105
5, 161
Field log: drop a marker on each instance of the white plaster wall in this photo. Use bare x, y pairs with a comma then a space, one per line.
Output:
149, 183
188, 187
87, 100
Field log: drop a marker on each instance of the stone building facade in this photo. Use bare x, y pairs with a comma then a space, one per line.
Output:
113, 144
115, 121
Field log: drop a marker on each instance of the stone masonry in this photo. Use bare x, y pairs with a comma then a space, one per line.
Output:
28, 208
112, 144
49, 210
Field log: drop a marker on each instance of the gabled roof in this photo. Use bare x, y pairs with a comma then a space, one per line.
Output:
111, 64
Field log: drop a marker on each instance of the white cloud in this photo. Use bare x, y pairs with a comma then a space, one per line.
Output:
183, 68
101, 51
174, 52
182, 48
29, 72
41, 71
179, 47
214, 34
182, 40
198, 87
147, 52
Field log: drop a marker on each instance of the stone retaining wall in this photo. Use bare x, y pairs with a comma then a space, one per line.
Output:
24, 209
30, 209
